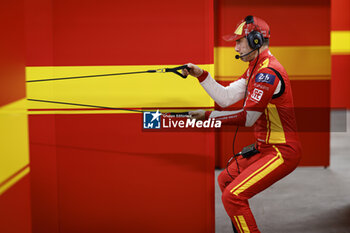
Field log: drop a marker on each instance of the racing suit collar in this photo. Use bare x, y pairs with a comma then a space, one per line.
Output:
262, 57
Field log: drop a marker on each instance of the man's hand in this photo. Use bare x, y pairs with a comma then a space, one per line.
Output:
198, 114
194, 70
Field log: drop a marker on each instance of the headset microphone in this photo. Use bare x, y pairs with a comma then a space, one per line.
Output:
238, 57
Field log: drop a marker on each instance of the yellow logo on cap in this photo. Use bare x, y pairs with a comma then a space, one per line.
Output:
256, 41
239, 29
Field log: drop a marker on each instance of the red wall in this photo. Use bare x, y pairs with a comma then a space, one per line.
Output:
15, 201
15, 205
97, 171
100, 172
12, 58
340, 21
82, 33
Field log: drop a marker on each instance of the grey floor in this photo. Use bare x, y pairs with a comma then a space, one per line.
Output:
309, 200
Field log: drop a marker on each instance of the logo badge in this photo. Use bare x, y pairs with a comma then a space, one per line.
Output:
152, 120
257, 94
265, 78
239, 29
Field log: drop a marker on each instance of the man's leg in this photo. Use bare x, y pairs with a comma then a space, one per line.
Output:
225, 179
271, 167
234, 228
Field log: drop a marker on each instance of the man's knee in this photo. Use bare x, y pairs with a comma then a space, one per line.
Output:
232, 201
223, 180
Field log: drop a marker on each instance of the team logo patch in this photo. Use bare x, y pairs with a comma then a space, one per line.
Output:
257, 94
151, 120
265, 78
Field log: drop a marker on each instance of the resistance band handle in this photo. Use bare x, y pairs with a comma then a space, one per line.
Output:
175, 70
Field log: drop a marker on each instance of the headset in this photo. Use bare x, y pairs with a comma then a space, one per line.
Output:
255, 38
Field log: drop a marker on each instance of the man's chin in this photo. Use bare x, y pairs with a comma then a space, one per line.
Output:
244, 59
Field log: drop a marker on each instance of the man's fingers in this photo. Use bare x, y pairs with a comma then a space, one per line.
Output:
198, 114
192, 68
192, 114
188, 71
190, 65
184, 72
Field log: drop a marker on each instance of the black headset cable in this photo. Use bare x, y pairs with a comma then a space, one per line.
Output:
234, 137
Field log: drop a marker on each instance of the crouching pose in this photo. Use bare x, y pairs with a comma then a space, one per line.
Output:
268, 107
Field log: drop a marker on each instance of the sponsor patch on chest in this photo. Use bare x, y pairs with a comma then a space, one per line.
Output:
265, 78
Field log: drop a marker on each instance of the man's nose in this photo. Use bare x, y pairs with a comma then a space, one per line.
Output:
237, 48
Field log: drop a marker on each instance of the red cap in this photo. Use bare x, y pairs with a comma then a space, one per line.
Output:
245, 26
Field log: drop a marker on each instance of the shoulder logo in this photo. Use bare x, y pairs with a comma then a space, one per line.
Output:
264, 64
265, 78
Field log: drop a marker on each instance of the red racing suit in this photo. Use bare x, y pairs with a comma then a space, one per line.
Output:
275, 133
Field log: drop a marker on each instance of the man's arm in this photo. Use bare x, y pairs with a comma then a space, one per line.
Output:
257, 99
223, 96
241, 117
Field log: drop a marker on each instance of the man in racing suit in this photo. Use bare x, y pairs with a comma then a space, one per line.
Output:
268, 107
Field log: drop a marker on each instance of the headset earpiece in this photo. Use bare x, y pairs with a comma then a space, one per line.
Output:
255, 39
